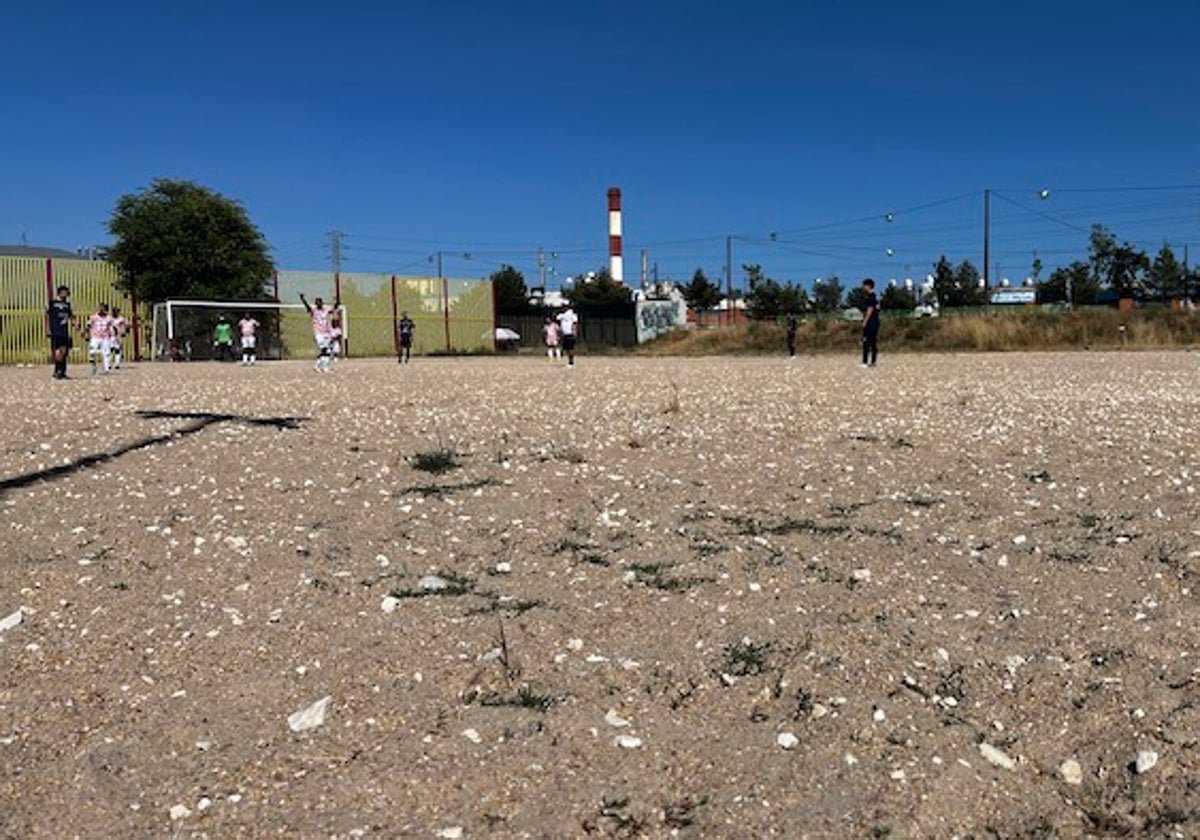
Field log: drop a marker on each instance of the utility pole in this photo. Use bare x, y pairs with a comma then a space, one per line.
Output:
729, 280
542, 270
645, 268
987, 243
335, 250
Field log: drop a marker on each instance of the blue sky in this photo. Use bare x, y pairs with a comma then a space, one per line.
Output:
492, 128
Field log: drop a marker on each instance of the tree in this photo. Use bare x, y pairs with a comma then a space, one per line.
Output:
768, 299
1074, 283
176, 239
1121, 268
898, 297
512, 295
967, 281
857, 299
599, 289
701, 293
827, 295
944, 288
957, 286
1167, 275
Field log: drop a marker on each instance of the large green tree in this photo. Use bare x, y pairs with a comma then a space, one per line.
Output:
769, 299
898, 298
512, 295
176, 239
827, 295
957, 286
1168, 277
1074, 283
1122, 268
701, 293
599, 289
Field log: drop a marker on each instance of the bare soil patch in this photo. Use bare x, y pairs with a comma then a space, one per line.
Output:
953, 596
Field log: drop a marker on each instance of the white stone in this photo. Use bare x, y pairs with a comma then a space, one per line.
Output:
628, 742
613, 719
432, 583
473, 736
787, 740
389, 603
180, 812
1071, 772
453, 833
503, 568
996, 756
861, 574
1146, 759
11, 621
878, 715
311, 717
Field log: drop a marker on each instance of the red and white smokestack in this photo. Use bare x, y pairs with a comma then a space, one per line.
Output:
616, 266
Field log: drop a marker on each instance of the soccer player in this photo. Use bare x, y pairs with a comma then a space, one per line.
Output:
99, 330
568, 323
335, 338
223, 340
322, 332
59, 321
406, 330
120, 326
870, 324
550, 335
248, 327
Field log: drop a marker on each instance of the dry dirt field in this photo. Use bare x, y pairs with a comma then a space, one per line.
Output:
956, 596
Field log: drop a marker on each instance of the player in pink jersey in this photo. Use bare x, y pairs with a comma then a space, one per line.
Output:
99, 330
335, 338
322, 330
120, 327
248, 327
550, 332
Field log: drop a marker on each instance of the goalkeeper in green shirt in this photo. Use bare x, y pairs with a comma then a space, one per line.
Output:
223, 340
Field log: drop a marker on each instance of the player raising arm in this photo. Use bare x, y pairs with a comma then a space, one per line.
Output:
322, 329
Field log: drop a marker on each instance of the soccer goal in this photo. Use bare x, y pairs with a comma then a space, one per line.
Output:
185, 330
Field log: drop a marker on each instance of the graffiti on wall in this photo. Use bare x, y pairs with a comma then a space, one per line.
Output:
655, 317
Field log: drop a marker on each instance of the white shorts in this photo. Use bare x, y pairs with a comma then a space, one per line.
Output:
98, 345
324, 341
248, 342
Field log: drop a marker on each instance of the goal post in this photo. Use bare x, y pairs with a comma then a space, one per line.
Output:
183, 330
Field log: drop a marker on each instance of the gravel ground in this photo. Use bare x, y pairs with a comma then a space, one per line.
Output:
955, 596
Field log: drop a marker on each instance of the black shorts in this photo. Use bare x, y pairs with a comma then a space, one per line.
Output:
58, 342
568, 342
406, 341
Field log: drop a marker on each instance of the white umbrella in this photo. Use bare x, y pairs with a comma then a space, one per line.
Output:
505, 334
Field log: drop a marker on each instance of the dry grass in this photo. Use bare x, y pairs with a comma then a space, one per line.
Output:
998, 330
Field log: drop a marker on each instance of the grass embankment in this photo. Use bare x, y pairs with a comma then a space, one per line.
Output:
996, 330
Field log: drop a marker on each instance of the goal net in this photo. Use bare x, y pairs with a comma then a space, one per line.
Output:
185, 330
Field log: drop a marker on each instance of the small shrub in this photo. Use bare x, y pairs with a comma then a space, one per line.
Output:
436, 461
